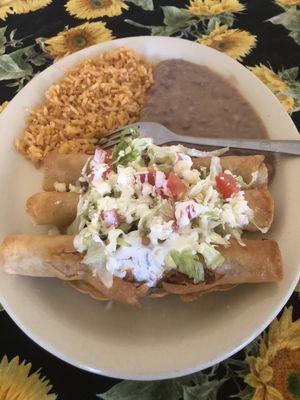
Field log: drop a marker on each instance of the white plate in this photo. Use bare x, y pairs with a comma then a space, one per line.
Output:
166, 338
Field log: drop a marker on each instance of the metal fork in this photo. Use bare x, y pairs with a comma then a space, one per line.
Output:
161, 135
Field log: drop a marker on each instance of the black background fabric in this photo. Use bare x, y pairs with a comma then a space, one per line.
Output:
274, 47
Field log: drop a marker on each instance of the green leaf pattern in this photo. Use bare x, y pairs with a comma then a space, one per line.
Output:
289, 76
192, 387
180, 22
144, 4
290, 19
18, 66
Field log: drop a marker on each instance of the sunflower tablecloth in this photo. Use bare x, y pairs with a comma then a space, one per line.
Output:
262, 34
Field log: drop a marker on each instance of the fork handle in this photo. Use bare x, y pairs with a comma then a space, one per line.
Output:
276, 146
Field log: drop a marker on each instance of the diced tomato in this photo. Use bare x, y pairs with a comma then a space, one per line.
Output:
175, 227
108, 156
154, 178
185, 211
142, 177
111, 218
162, 193
226, 185
102, 156
106, 173
99, 174
175, 185
151, 176
147, 176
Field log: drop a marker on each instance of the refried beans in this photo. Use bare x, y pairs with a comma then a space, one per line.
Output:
191, 99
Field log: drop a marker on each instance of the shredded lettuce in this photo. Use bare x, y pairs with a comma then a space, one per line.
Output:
214, 214
218, 239
96, 258
122, 242
83, 240
162, 155
212, 257
112, 239
141, 144
262, 230
241, 182
95, 255
187, 263
237, 235
165, 168
73, 229
200, 153
85, 169
125, 152
143, 223
215, 168
203, 172
236, 213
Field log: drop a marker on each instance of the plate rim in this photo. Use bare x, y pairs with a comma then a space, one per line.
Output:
148, 377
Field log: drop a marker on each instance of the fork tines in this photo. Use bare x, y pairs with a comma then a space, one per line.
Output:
114, 137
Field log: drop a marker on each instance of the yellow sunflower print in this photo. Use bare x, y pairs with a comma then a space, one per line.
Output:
78, 38
287, 3
288, 102
275, 373
17, 384
5, 9
2, 106
88, 9
269, 78
210, 8
275, 84
20, 6
233, 42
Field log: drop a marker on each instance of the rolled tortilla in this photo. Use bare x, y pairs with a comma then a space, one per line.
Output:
262, 203
258, 261
52, 208
59, 209
42, 256
244, 166
62, 168
55, 256
67, 168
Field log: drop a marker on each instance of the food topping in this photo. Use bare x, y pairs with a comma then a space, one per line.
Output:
145, 210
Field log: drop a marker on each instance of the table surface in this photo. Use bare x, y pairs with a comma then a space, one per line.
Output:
276, 48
